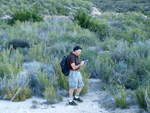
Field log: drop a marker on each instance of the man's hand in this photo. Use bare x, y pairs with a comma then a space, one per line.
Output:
74, 67
82, 63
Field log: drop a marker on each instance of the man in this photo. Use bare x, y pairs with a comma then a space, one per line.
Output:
75, 77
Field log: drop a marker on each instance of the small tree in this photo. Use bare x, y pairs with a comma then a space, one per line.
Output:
86, 21
27, 15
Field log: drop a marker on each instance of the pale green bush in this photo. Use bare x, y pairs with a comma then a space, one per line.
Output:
40, 53
104, 67
10, 63
147, 97
87, 38
120, 97
5, 7
18, 43
110, 43
45, 80
41, 76
10, 86
121, 67
1, 12
9, 12
50, 94
60, 49
121, 52
23, 94
60, 98
140, 96
60, 7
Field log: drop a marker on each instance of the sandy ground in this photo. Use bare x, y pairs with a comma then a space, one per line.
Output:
91, 104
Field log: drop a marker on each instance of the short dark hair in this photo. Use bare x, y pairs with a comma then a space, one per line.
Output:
76, 48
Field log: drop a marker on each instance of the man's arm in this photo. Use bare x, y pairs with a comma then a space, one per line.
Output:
74, 67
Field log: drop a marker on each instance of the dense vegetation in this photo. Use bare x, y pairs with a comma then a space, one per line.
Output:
121, 6
49, 7
116, 44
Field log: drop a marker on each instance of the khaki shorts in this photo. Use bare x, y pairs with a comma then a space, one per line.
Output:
75, 80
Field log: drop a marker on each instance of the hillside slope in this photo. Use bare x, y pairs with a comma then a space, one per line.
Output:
49, 7
121, 6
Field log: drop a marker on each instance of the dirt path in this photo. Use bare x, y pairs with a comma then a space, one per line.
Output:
93, 101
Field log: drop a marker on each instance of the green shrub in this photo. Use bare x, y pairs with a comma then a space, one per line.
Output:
1, 12
140, 96
50, 94
18, 43
60, 98
60, 9
45, 81
45, 11
86, 21
9, 12
147, 97
41, 76
26, 15
3, 25
121, 67
5, 7
110, 43
86, 38
121, 52
130, 80
23, 94
88, 53
101, 29
39, 53
120, 98
139, 67
10, 63
82, 18
15, 87
104, 67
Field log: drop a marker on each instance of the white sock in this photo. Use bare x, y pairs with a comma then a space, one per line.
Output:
70, 99
76, 96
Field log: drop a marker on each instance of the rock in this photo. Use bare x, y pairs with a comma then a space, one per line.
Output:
95, 12
5, 17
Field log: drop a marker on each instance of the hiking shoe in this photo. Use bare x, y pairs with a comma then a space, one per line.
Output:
78, 99
73, 103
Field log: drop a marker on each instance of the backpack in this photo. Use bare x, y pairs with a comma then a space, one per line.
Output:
64, 67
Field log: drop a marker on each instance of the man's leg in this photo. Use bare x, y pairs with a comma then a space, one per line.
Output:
76, 97
71, 93
80, 86
79, 90
72, 86
71, 102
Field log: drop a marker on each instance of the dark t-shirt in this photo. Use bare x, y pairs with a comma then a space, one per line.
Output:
70, 60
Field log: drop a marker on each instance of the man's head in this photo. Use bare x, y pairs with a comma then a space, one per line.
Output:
77, 50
